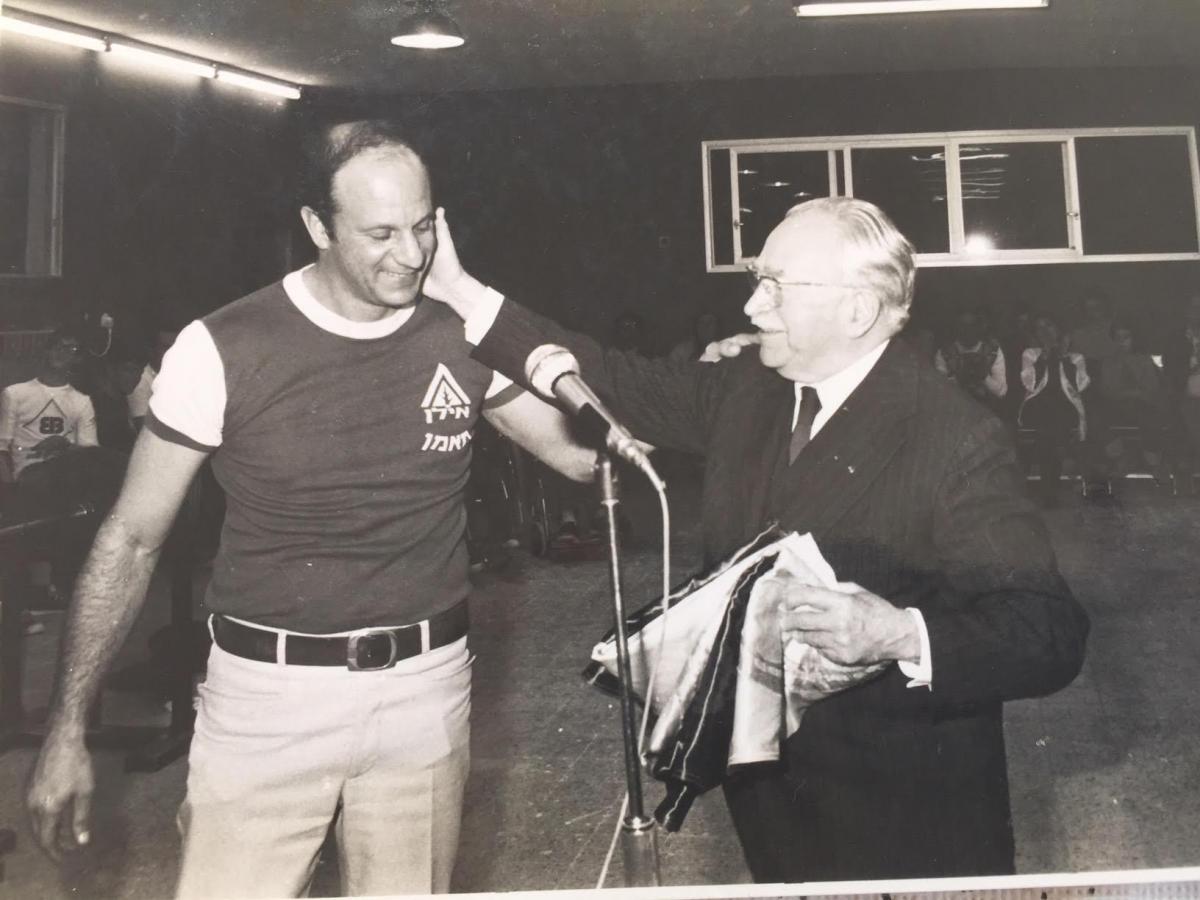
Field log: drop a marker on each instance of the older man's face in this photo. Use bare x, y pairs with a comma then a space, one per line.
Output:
798, 304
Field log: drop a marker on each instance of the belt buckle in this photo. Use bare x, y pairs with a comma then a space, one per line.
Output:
352, 647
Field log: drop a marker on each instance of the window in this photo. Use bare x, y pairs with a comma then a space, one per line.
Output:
31, 140
909, 182
1013, 196
769, 184
1149, 212
972, 198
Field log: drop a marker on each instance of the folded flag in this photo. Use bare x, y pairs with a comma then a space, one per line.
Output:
729, 688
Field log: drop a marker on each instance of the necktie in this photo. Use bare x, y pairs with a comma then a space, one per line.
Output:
810, 405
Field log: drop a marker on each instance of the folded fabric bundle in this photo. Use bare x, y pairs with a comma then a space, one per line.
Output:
728, 687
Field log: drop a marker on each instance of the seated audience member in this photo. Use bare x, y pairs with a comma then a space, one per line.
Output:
629, 332
1092, 338
1131, 390
50, 460
1054, 380
115, 378
1014, 331
974, 360
48, 442
138, 399
42, 420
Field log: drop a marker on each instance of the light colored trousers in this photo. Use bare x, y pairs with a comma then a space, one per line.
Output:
277, 748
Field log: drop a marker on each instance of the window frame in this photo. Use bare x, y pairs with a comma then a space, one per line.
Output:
52, 253
841, 147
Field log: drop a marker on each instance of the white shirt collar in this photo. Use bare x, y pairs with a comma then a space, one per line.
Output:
324, 318
833, 391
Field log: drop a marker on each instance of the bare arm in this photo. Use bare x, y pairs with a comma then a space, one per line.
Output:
545, 432
108, 595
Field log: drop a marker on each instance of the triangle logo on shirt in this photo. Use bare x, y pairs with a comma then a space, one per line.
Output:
445, 398
50, 419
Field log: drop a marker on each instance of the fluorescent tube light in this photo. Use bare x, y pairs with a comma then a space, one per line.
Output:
262, 85
159, 59
146, 54
880, 7
49, 33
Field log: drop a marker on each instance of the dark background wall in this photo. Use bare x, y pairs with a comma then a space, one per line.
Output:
172, 195
585, 202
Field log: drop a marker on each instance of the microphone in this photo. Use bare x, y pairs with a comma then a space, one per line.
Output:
554, 372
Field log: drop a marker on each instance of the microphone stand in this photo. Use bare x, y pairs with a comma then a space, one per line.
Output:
639, 844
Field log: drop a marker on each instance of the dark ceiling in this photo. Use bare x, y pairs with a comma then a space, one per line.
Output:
522, 43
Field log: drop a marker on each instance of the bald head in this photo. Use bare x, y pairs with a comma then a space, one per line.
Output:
329, 149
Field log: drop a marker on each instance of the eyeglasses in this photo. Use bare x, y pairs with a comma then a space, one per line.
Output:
774, 286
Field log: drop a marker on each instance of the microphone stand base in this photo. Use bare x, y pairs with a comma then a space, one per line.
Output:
639, 849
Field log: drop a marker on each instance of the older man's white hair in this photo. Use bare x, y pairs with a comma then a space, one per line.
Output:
879, 256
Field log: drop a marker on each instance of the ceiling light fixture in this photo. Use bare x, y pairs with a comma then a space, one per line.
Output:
428, 28
813, 8
9, 22
159, 59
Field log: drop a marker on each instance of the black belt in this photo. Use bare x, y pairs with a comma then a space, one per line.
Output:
368, 649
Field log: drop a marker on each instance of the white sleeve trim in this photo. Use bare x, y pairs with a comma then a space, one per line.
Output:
189, 393
920, 675
499, 383
479, 323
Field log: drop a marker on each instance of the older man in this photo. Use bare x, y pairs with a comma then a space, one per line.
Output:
338, 411
913, 494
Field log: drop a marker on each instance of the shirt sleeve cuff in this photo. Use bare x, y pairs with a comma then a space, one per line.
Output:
921, 674
479, 322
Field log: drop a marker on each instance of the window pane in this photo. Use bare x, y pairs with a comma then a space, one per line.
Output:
769, 184
1136, 194
909, 184
1013, 196
722, 218
14, 187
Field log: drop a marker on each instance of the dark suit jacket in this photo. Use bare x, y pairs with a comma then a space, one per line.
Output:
911, 490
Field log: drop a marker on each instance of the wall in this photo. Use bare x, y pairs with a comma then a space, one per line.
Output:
172, 193
587, 202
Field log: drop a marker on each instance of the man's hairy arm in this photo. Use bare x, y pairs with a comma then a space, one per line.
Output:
108, 594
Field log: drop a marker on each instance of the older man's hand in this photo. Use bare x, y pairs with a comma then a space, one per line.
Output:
849, 625
729, 347
447, 281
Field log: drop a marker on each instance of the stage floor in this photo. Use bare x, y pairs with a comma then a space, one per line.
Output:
1103, 774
